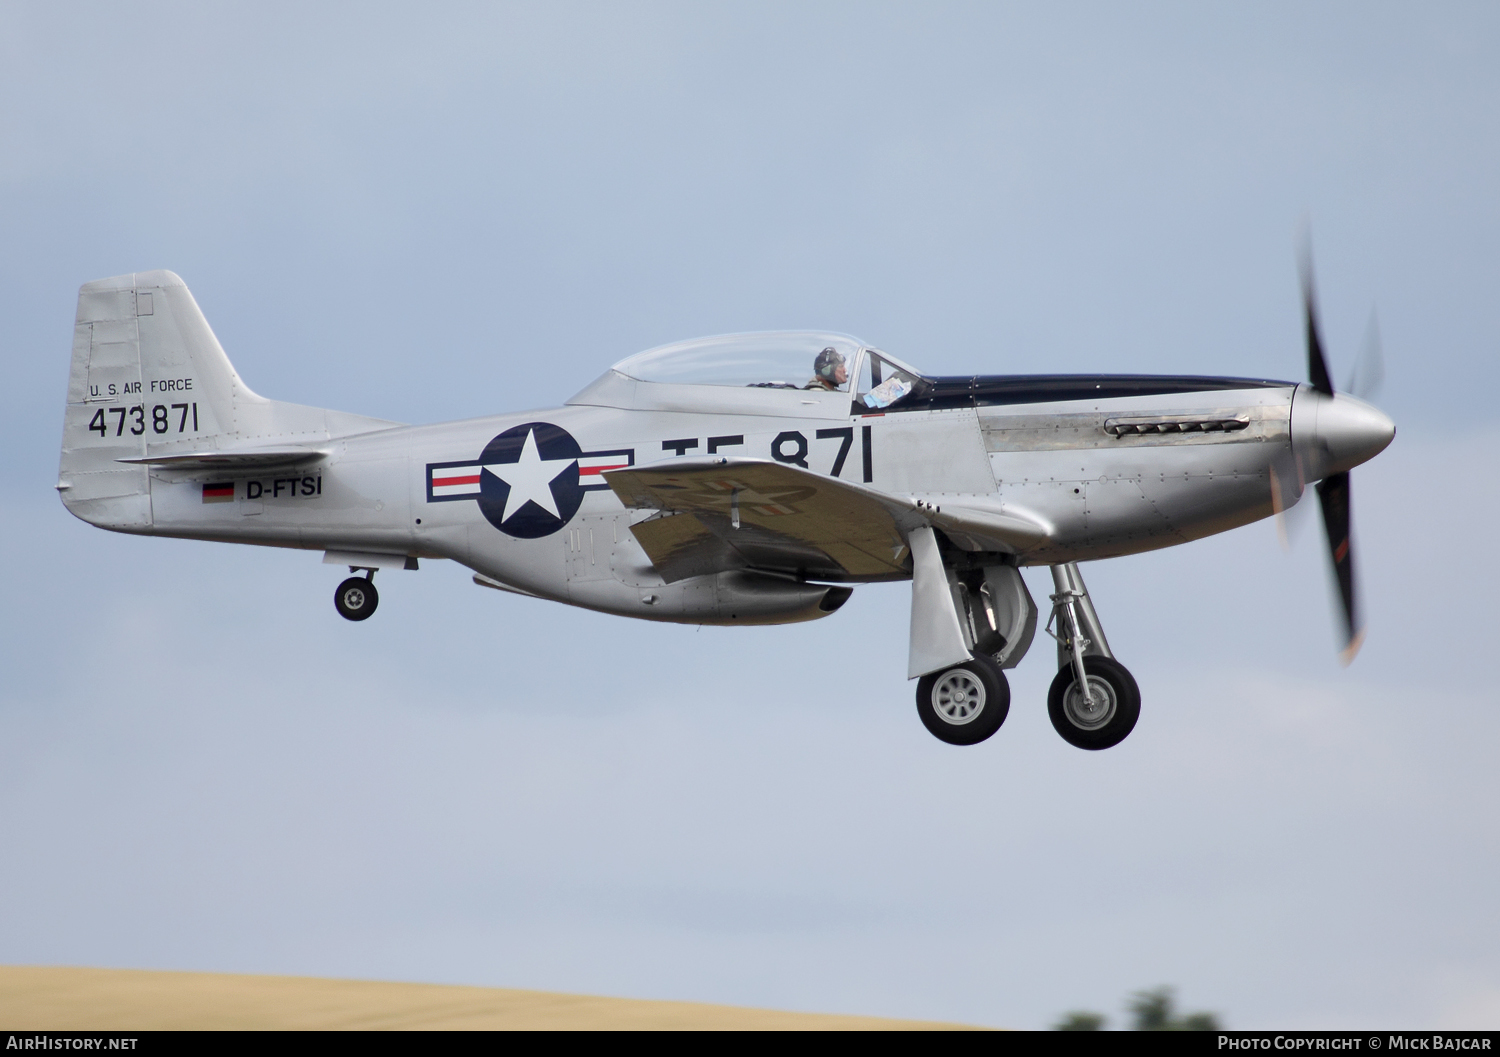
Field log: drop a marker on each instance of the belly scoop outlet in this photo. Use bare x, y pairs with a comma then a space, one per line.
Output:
596, 563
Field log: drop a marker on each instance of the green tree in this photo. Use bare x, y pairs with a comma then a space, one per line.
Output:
1200, 1022
1080, 1020
1155, 1010
1151, 1010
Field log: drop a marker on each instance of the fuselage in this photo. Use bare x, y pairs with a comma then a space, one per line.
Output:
1108, 465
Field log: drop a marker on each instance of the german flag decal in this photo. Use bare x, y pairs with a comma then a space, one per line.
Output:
219, 493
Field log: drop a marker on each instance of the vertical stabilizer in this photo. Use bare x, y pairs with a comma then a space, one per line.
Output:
150, 379
105, 377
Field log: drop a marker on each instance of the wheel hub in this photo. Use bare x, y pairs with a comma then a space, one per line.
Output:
958, 697
1090, 715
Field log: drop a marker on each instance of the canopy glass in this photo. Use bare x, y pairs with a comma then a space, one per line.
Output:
781, 359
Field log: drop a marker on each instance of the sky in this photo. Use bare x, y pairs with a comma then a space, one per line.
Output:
467, 210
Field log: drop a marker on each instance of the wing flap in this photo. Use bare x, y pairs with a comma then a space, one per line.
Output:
727, 513
680, 545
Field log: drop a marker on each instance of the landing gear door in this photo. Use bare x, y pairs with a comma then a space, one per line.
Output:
1001, 613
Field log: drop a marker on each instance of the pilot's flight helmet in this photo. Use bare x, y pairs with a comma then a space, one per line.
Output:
828, 363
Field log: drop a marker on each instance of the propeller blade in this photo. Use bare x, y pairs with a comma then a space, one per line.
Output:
1317, 363
1333, 495
1369, 370
1287, 483
1291, 524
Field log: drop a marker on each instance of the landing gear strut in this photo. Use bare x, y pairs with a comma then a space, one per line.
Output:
356, 597
1094, 701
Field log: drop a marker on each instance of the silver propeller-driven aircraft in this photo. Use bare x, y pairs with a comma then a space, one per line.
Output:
744, 479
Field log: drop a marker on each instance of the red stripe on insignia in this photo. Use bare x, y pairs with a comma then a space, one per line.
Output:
445, 482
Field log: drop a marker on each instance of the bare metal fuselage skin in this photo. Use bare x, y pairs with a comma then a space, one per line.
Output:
1101, 466
1102, 496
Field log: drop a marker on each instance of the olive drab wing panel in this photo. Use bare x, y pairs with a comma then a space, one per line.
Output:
718, 514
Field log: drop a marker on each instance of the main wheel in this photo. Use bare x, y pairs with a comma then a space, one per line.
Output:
356, 598
964, 704
1116, 704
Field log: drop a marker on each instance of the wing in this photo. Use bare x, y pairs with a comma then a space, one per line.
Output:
723, 513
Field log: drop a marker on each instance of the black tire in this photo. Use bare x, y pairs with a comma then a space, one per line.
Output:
1116, 715
356, 598
945, 701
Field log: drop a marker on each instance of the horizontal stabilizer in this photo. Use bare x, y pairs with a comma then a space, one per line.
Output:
250, 458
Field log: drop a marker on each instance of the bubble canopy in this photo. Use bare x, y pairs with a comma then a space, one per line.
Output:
771, 359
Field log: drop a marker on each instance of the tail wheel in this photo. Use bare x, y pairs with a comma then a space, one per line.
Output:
964, 704
1108, 717
356, 598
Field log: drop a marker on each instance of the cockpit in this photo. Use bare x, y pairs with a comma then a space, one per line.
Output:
810, 361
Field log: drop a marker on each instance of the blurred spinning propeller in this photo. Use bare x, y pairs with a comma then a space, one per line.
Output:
1332, 433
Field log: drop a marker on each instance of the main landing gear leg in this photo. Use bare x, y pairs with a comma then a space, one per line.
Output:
962, 696
1094, 701
356, 597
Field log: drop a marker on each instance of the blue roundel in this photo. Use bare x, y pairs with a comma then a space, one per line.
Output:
528, 487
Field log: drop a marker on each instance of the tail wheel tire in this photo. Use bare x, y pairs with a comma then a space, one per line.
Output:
964, 704
1115, 707
356, 598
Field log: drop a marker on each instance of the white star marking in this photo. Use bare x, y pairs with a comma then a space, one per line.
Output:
529, 479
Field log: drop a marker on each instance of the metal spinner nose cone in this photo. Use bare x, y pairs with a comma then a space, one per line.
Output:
1350, 431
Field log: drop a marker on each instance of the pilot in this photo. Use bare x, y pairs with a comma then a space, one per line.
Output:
830, 372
